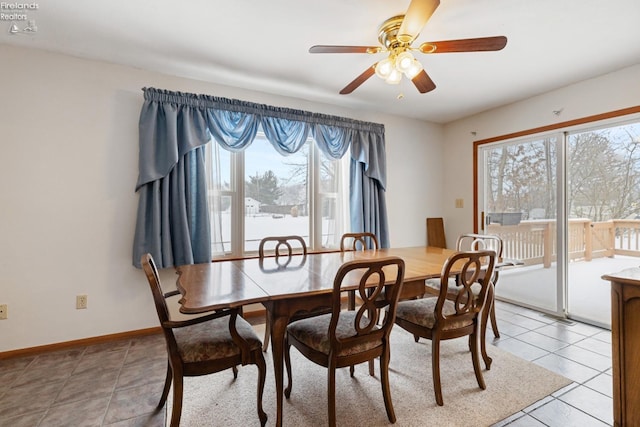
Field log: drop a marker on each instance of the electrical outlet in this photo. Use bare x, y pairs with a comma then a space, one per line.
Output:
3, 311
81, 302
459, 203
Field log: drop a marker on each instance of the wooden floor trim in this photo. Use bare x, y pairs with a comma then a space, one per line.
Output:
31, 351
81, 342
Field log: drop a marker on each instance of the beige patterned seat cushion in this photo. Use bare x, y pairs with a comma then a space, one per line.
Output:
212, 340
314, 332
422, 312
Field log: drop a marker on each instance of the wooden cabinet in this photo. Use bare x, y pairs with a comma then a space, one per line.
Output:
625, 330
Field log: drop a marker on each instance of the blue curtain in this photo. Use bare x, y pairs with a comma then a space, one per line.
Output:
367, 182
173, 220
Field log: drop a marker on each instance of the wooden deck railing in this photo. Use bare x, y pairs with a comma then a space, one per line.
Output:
534, 241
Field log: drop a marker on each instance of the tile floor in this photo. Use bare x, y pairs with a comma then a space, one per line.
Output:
118, 384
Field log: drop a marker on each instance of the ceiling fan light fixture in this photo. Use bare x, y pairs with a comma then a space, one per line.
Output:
394, 77
404, 61
384, 68
414, 69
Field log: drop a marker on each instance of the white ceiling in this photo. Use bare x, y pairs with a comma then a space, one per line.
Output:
263, 45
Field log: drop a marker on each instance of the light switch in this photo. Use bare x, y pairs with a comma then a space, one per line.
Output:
459, 203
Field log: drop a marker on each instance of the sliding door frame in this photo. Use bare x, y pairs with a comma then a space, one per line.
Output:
561, 188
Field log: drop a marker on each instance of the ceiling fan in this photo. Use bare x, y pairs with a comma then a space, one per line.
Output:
396, 35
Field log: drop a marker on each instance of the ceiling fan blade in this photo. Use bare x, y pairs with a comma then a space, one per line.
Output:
423, 82
415, 18
465, 45
359, 80
344, 49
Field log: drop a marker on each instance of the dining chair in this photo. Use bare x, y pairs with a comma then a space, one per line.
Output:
475, 242
283, 248
202, 345
354, 242
442, 318
345, 338
282, 245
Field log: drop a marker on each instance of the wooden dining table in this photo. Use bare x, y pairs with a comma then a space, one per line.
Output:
285, 288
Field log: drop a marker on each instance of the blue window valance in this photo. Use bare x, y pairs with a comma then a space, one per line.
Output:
172, 221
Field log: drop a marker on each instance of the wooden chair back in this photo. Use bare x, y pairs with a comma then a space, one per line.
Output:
468, 300
159, 299
282, 245
479, 242
284, 248
358, 241
354, 242
379, 285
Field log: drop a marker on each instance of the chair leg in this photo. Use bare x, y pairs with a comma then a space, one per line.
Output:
476, 360
176, 411
331, 392
494, 321
386, 390
287, 364
167, 386
483, 342
267, 333
435, 369
262, 375
372, 369
235, 372
483, 329
351, 305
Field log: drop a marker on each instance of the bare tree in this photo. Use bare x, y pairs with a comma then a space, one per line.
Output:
522, 177
604, 171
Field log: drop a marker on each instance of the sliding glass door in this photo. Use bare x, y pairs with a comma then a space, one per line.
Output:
519, 203
567, 206
603, 199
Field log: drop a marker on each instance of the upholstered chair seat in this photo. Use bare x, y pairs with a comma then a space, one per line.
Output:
421, 312
212, 340
313, 333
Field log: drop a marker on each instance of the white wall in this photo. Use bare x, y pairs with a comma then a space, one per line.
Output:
69, 166
610, 92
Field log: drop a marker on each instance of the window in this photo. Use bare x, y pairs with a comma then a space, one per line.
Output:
259, 192
193, 192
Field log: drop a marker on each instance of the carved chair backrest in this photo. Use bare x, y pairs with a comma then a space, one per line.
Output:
379, 284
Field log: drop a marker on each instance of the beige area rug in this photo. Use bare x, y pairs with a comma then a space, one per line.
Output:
512, 384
